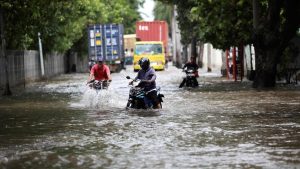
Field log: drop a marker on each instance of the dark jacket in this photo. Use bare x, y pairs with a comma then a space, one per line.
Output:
191, 65
149, 76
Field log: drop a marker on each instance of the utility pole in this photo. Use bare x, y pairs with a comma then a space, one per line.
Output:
7, 91
41, 55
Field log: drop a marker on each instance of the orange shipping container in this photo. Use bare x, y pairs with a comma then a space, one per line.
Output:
152, 31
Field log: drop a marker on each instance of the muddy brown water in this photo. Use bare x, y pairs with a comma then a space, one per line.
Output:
61, 123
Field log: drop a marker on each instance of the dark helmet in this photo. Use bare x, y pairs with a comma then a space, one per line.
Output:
144, 63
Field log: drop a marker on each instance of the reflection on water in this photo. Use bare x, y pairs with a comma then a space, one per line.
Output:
64, 124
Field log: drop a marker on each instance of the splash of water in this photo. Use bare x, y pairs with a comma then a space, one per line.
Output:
101, 99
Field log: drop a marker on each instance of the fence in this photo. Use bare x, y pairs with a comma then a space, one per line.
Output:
24, 67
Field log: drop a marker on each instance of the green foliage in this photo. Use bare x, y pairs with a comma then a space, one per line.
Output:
222, 23
290, 54
225, 24
268, 25
163, 12
131, 15
62, 23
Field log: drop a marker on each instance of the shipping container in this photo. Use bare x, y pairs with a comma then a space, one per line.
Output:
153, 31
152, 42
129, 44
129, 41
106, 42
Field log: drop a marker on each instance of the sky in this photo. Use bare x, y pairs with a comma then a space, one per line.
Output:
146, 11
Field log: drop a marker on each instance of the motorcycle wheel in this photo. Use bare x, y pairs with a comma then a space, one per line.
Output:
129, 104
182, 83
189, 83
195, 83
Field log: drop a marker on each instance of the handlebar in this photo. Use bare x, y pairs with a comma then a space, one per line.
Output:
92, 81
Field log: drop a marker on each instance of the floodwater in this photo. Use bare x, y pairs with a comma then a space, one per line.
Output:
62, 124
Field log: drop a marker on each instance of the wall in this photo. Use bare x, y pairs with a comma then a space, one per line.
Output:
31, 65
24, 67
212, 58
76, 63
54, 64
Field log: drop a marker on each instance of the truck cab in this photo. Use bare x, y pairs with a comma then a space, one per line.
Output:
153, 50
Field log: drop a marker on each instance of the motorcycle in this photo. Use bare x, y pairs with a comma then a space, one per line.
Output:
98, 84
137, 96
191, 78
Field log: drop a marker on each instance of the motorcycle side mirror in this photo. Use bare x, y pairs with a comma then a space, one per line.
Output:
127, 77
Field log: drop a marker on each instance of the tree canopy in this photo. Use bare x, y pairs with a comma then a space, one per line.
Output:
62, 23
163, 11
222, 23
269, 25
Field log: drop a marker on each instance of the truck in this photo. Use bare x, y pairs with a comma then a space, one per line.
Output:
106, 42
152, 42
129, 44
129, 40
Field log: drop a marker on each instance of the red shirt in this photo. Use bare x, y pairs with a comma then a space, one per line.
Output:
100, 73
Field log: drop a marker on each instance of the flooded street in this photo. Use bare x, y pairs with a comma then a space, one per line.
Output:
63, 124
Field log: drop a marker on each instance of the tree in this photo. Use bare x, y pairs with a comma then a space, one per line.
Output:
131, 15
275, 24
163, 11
229, 23
7, 91
188, 27
62, 23
120, 11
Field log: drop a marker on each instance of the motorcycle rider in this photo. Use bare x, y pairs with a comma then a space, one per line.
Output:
147, 76
99, 71
191, 65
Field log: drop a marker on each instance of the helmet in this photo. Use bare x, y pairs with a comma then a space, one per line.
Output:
144, 63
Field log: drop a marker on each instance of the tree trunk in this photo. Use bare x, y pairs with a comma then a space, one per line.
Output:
194, 47
256, 12
185, 53
209, 48
201, 48
265, 68
7, 91
272, 34
266, 43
